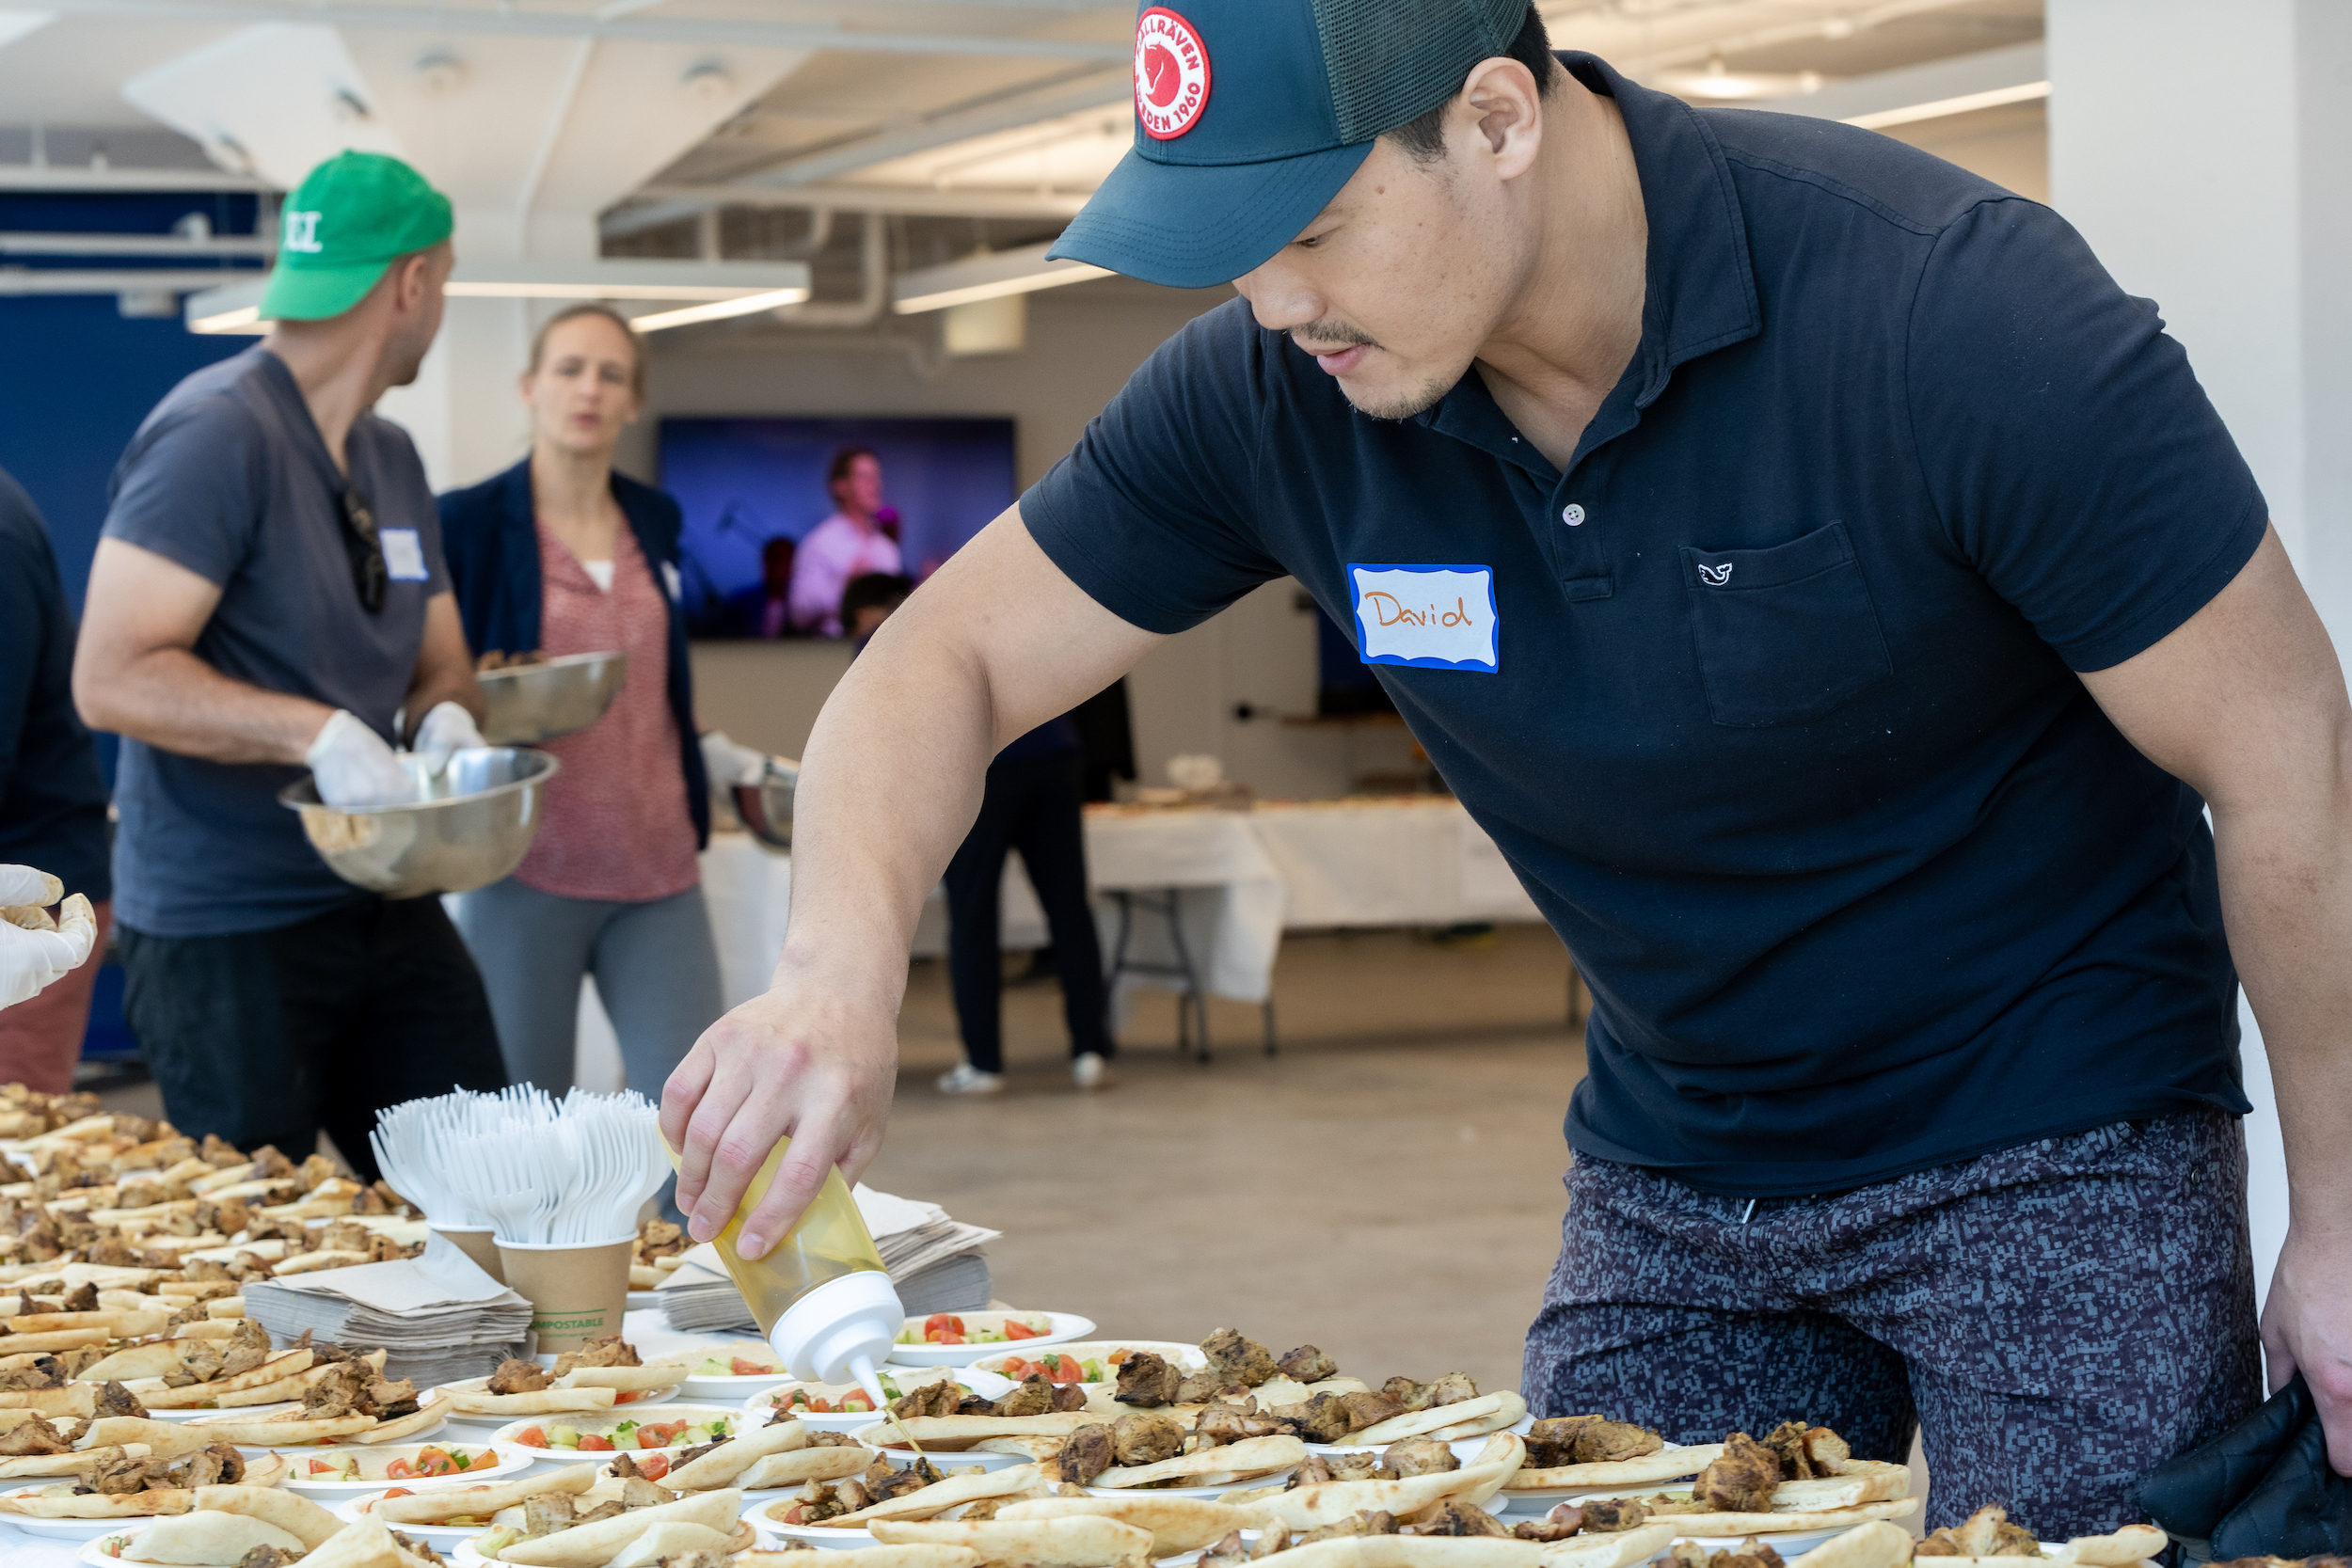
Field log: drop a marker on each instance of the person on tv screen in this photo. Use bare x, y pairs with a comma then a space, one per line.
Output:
764, 608
849, 544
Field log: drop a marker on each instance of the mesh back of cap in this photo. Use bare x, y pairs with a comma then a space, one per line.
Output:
1391, 61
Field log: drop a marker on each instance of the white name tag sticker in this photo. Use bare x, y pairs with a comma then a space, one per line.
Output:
1427, 617
671, 581
404, 555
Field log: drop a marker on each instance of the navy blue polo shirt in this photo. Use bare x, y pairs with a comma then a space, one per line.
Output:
1782, 729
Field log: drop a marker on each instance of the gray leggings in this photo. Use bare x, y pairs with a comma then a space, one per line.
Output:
656, 973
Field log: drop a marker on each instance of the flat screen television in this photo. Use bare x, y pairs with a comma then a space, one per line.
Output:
754, 489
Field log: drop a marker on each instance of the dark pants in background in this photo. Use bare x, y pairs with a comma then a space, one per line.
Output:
1032, 804
269, 1036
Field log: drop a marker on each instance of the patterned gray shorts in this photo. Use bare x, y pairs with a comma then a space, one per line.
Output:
2060, 1317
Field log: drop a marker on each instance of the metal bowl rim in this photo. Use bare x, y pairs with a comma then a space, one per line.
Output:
554, 765
561, 661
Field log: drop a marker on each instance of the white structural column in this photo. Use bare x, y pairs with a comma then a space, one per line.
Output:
2200, 146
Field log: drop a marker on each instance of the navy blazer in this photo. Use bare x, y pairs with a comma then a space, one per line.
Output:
488, 533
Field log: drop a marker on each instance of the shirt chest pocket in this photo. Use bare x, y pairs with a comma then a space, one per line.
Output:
1783, 634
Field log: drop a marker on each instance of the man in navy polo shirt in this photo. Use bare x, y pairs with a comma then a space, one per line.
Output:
1837, 599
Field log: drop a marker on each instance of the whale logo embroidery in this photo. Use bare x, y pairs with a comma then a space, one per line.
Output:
1715, 576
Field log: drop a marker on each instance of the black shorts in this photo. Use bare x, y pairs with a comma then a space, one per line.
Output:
269, 1036
2058, 1318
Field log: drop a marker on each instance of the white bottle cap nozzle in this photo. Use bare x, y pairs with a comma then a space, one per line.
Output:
841, 1331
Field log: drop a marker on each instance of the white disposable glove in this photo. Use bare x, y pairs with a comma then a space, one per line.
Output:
355, 769
447, 729
36, 950
731, 764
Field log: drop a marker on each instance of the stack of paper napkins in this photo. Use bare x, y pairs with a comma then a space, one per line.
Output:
438, 1315
938, 1264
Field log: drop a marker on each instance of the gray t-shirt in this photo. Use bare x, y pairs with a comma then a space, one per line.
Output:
230, 478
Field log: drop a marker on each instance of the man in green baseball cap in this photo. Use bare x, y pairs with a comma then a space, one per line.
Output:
344, 226
269, 595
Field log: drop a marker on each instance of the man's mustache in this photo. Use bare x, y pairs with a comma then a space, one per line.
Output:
1331, 337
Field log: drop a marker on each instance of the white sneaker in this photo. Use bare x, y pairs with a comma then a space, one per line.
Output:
1090, 1071
968, 1079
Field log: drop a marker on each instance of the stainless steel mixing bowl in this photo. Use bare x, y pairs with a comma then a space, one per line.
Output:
530, 703
465, 829
766, 807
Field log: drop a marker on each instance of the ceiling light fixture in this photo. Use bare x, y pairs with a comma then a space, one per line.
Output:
662, 320
2024, 92
990, 277
715, 289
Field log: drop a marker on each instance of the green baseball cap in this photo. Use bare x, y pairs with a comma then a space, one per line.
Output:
349, 219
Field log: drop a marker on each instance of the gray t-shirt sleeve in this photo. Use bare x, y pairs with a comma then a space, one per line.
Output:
191, 487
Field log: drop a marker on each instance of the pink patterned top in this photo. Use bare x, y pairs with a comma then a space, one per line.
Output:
616, 825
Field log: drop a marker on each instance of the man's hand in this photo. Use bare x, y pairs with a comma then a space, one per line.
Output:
2306, 1328
807, 1062
996, 643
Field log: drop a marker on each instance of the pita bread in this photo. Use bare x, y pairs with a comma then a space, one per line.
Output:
950, 1432
672, 1536
134, 1505
1073, 1541
594, 1545
872, 1557
168, 1439
454, 1502
428, 1416
135, 1362
365, 1545
1177, 1524
74, 1398
545, 1402
2130, 1544
797, 1468
1032, 1447
1860, 1480
1620, 1550
279, 1378
1329, 1502
1665, 1465
49, 1344
1778, 1523
1475, 1418
53, 1465
207, 1540
278, 1430
287, 1388
1251, 1456
627, 1380
940, 1496
121, 1325
1877, 1544
1416, 1551
721, 1464
298, 1516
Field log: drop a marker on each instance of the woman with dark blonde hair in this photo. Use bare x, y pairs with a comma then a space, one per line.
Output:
561, 555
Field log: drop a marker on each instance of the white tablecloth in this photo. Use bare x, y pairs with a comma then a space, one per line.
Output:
1244, 878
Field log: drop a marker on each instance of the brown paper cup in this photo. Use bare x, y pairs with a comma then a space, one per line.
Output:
478, 1246
576, 1293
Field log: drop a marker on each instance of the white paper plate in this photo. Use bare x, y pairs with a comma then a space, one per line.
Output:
1067, 1326
879, 1434
618, 1411
506, 1461
771, 1533
92, 1552
441, 1538
503, 1438
732, 1387
73, 1529
906, 1378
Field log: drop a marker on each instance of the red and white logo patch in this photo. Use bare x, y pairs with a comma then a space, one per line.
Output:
1171, 74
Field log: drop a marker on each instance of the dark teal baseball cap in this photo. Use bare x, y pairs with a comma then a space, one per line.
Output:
1251, 113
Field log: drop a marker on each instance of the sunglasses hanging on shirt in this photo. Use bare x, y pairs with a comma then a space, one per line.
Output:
365, 547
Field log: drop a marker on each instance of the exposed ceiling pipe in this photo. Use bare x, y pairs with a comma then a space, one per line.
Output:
514, 22
56, 177
872, 301
68, 280
544, 154
896, 200
254, 245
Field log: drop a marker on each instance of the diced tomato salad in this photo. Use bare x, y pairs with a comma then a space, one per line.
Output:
654, 1467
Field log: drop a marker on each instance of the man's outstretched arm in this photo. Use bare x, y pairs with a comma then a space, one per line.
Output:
2246, 703
998, 643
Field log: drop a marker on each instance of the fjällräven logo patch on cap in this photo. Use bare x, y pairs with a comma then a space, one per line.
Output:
1171, 74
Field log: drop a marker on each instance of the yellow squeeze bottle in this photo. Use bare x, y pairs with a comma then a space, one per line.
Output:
821, 1295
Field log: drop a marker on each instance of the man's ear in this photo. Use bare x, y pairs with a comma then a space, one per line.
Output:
1503, 99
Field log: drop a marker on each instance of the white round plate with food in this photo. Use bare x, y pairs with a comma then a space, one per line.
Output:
243, 1411
72, 1529
348, 1470
772, 1534
105, 1551
1788, 1544
933, 1341
441, 1538
713, 1375
685, 1426
803, 1398
1104, 1355
881, 1436
622, 1404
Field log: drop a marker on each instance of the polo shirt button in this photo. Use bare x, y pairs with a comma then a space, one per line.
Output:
1572, 514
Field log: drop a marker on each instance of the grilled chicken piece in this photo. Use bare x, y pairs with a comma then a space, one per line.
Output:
1087, 1453
1368, 1409
610, 1350
1369, 1522
929, 1398
1413, 1396
973, 1513
1807, 1452
1453, 1388
200, 1362
1587, 1440
1457, 1519
1611, 1514
637, 1491
609, 1509
1146, 1380
1223, 1423
1558, 1525
1035, 1396
1749, 1553
35, 1436
43, 1372
82, 1298
519, 1377
1741, 1479
1987, 1532
118, 1478
1138, 1438
1069, 1396
389, 1399
339, 1392
1420, 1456
419, 1550
1321, 1419
115, 1399
1243, 1361
214, 1464
1200, 1387
1307, 1365
1230, 1552
268, 1557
